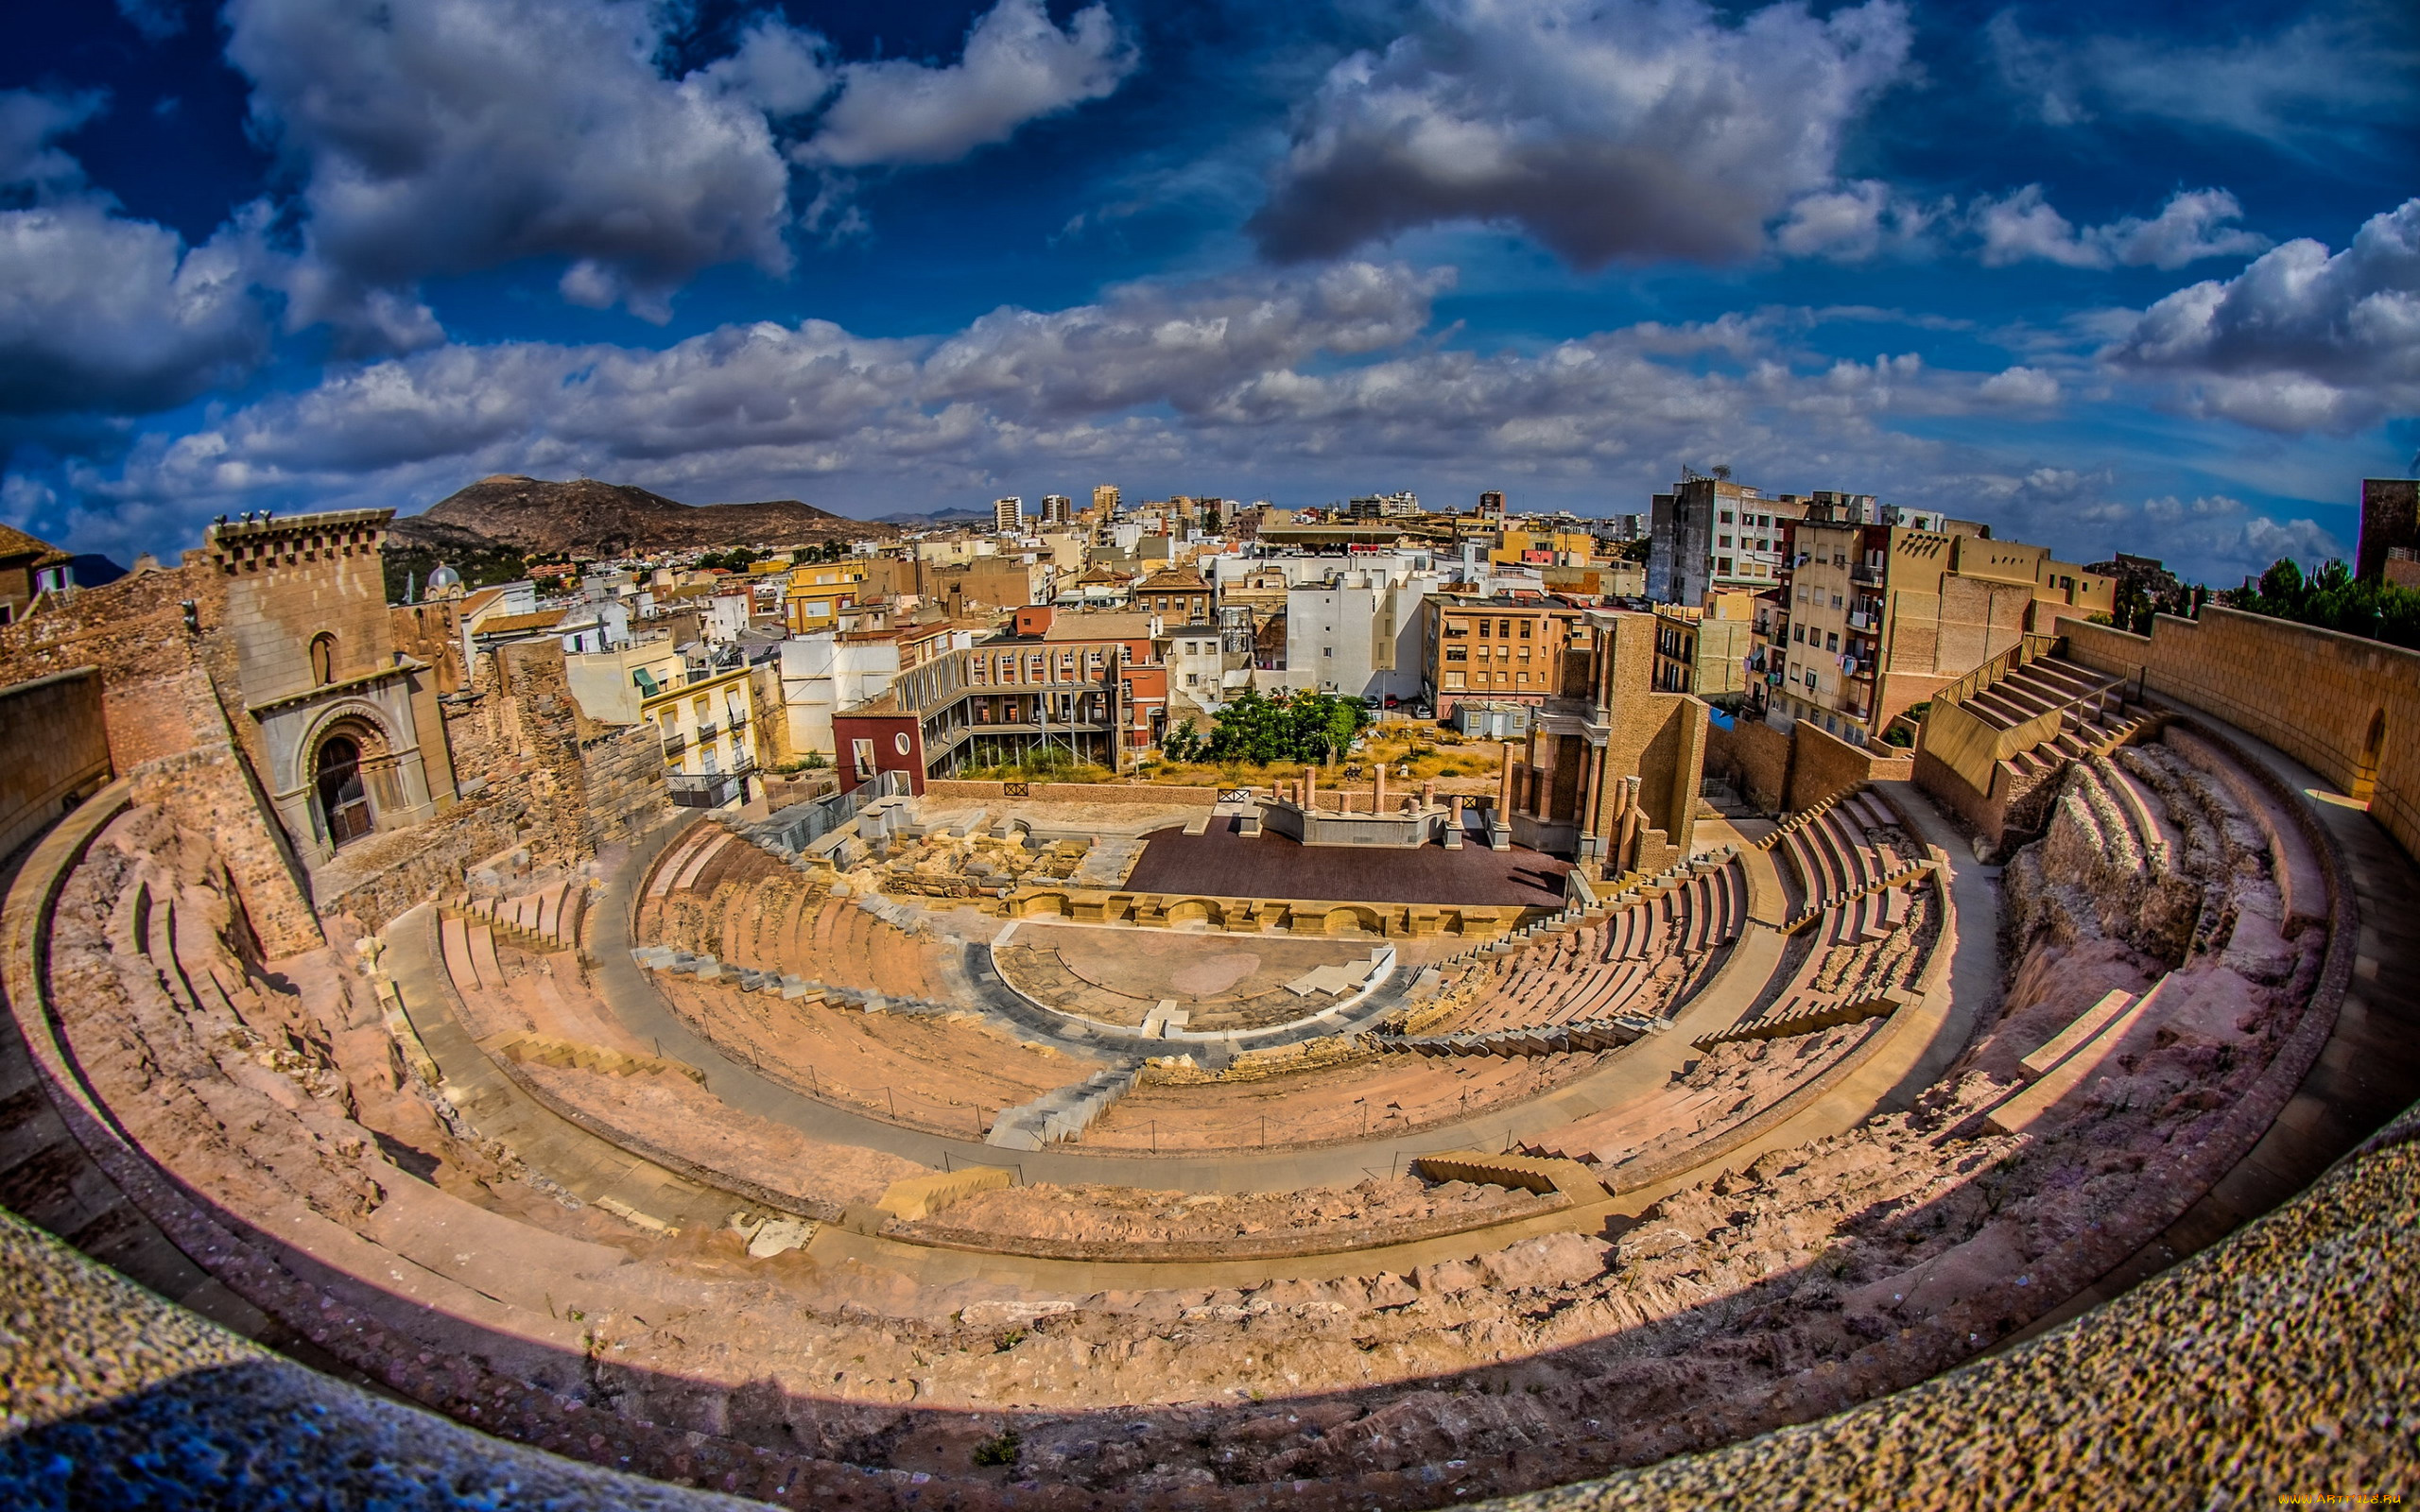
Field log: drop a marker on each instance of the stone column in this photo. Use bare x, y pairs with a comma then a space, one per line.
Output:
1378, 788
1454, 825
1428, 794
1310, 788
1504, 785
1593, 773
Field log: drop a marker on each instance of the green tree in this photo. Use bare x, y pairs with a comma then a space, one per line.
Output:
2330, 599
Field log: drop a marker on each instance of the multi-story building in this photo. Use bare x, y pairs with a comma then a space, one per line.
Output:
1177, 594
1008, 515
704, 714
1496, 647
1491, 503
826, 672
817, 592
1196, 661
1875, 618
1710, 532
1105, 499
1705, 651
1089, 685
1357, 633
1057, 509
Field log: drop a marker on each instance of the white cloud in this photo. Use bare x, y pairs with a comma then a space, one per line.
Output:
1017, 67
1853, 222
2191, 226
2021, 385
1183, 345
458, 134
2293, 86
29, 120
1608, 129
448, 136
101, 312
2301, 340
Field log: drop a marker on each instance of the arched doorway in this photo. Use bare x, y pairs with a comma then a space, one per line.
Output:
2366, 767
344, 801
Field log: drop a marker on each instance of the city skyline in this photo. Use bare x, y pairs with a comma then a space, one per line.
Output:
2149, 285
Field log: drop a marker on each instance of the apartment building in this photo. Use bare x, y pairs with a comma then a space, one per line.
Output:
1875, 618
1496, 647
1710, 533
1357, 633
1007, 515
705, 715
1705, 651
1086, 684
1177, 594
819, 591
1105, 499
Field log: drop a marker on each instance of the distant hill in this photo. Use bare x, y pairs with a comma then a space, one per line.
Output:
586, 517
937, 520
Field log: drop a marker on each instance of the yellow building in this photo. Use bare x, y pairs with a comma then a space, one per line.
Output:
817, 592
706, 718
1542, 548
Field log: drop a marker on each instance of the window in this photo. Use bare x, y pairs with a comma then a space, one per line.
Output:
1832, 641
1725, 543
1726, 518
1836, 600
1504, 629
1525, 634
1724, 568
1483, 626
323, 659
1456, 653
1327, 650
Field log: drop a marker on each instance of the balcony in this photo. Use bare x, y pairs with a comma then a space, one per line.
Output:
707, 729
705, 790
1869, 573
675, 744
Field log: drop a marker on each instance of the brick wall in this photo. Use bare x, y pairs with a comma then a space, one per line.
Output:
1755, 756
1823, 765
57, 753
2345, 707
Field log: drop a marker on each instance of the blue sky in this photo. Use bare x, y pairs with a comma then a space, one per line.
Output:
2139, 278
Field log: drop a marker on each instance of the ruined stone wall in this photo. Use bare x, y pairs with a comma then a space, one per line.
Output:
133, 632
622, 775
2346, 708
57, 753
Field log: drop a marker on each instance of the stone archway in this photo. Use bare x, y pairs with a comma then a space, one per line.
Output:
351, 778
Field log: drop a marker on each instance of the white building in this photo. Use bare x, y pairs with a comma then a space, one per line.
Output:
1358, 634
1008, 515
727, 615
1196, 671
824, 672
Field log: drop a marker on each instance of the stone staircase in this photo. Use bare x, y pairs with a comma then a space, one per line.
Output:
2095, 716
1062, 1113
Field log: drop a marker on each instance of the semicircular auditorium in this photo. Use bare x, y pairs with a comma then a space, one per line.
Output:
390, 1050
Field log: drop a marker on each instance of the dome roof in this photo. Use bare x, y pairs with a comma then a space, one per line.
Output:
444, 580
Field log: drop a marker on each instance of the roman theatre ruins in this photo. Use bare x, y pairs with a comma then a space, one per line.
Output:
1111, 1147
